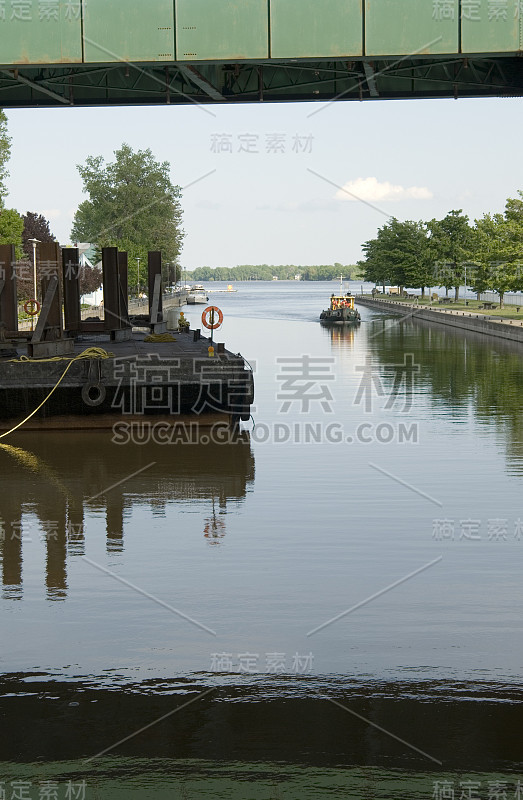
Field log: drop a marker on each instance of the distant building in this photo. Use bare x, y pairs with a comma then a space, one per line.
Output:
297, 277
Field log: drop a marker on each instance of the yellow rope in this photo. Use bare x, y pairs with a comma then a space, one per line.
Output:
90, 353
160, 337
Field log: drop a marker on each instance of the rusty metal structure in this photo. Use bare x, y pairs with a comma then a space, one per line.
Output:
65, 378
54, 332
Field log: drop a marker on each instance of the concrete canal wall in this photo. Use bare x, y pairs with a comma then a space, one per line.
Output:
480, 323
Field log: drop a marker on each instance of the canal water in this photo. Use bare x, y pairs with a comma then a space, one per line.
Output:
327, 604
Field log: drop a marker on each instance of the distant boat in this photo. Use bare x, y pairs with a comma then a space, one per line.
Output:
197, 295
229, 289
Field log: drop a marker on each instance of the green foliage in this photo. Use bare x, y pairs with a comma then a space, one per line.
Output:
441, 252
5, 152
498, 250
265, 272
451, 245
133, 206
514, 210
478, 277
11, 229
399, 255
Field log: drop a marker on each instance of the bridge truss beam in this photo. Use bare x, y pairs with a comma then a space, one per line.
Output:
250, 82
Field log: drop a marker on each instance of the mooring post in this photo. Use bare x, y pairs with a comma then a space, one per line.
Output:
71, 276
110, 278
8, 296
123, 288
116, 321
155, 292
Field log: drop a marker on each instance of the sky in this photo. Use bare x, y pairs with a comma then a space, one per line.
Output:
292, 200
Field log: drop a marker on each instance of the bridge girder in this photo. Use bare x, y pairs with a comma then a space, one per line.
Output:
299, 80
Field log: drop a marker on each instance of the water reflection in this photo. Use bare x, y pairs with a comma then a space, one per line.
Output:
463, 372
52, 485
215, 526
341, 336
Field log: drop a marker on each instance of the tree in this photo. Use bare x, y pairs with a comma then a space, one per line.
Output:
91, 279
498, 254
514, 221
35, 227
375, 266
5, 153
451, 243
11, 229
11, 225
479, 277
514, 210
399, 255
133, 206
413, 243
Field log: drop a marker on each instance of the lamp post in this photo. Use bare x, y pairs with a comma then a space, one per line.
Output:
138, 260
34, 242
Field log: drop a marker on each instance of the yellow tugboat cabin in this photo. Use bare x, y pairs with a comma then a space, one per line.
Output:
342, 301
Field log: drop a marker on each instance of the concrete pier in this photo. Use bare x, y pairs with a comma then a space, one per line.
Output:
480, 323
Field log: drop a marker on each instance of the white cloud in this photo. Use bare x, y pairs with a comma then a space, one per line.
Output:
371, 190
52, 213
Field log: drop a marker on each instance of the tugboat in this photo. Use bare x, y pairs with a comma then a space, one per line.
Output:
341, 311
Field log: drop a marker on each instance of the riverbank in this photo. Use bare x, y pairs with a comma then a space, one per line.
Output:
485, 323
473, 306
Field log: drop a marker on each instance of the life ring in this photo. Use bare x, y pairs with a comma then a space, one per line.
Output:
210, 311
99, 397
34, 305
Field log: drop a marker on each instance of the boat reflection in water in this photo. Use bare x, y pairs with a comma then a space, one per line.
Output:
53, 486
342, 336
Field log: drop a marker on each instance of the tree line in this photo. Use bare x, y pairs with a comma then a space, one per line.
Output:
266, 272
489, 252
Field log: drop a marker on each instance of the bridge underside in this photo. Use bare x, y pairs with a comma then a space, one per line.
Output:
264, 81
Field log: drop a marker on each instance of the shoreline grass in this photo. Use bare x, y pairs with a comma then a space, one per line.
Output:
472, 306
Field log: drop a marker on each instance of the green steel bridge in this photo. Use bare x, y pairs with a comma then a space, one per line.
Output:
132, 52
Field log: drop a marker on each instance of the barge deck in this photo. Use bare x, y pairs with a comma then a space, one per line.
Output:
106, 381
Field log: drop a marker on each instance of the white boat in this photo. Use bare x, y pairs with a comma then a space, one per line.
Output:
197, 295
